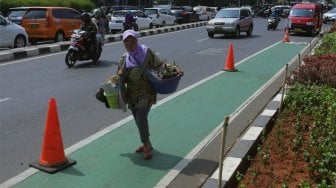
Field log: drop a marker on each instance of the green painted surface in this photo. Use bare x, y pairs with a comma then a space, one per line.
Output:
176, 128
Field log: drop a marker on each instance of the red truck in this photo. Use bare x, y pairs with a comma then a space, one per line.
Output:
305, 18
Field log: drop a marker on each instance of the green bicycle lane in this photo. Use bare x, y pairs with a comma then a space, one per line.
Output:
177, 126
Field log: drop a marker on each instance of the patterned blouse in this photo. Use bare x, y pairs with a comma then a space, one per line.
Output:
139, 92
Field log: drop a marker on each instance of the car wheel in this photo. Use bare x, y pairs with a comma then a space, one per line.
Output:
150, 26
237, 32
163, 24
211, 35
249, 32
20, 41
313, 32
59, 37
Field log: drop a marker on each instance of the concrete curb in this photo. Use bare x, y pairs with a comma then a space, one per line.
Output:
19, 53
237, 158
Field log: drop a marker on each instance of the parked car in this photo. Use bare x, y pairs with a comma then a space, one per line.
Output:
12, 35
118, 18
15, 14
231, 21
330, 16
189, 15
50, 23
121, 7
177, 12
205, 13
160, 16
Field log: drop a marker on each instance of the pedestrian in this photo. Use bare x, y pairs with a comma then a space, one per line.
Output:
138, 94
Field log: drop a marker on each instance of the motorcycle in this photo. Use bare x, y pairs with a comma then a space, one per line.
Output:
272, 23
77, 50
132, 25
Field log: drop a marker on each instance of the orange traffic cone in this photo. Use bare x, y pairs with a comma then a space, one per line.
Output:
286, 36
229, 65
52, 157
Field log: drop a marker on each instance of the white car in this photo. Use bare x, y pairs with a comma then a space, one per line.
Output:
118, 18
160, 16
205, 13
231, 21
330, 16
12, 35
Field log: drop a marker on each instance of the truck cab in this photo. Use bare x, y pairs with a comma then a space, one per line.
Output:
305, 18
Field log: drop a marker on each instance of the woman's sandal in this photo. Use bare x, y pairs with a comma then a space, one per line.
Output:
147, 153
141, 149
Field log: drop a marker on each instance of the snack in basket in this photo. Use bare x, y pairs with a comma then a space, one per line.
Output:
169, 70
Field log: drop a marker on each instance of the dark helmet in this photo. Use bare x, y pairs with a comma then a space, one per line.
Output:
97, 12
86, 17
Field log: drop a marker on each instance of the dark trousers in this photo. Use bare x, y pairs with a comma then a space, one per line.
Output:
140, 116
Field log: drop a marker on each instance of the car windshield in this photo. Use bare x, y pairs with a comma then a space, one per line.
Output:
301, 13
332, 10
150, 11
227, 14
119, 14
16, 13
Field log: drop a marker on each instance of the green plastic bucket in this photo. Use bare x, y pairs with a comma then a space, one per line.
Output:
112, 99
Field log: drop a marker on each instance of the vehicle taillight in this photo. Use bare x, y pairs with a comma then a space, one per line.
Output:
47, 22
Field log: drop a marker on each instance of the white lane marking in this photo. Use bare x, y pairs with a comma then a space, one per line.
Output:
201, 40
31, 58
5, 99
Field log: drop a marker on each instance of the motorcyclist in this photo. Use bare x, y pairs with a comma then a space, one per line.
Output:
104, 12
130, 21
101, 24
276, 14
91, 30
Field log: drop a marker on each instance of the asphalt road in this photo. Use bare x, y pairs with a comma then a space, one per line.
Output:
26, 86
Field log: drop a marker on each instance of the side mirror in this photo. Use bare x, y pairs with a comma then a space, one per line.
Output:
4, 23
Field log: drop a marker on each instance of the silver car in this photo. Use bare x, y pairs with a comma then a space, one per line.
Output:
12, 35
330, 16
231, 21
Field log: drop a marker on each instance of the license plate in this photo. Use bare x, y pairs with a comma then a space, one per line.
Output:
297, 29
33, 26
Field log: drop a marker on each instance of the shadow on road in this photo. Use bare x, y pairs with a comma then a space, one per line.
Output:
159, 161
98, 64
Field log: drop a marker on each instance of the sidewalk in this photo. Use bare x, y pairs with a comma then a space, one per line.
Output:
178, 124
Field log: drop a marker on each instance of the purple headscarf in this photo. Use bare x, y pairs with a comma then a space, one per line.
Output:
138, 55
